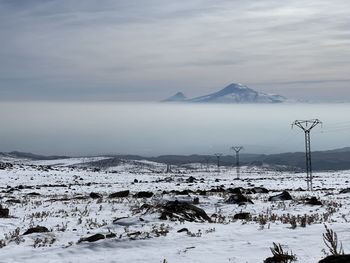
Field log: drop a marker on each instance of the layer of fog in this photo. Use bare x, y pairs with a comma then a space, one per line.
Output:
156, 128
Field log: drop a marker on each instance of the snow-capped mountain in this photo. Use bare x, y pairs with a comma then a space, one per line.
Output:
233, 93
176, 98
238, 93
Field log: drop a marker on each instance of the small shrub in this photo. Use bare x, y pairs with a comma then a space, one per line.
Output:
330, 238
279, 255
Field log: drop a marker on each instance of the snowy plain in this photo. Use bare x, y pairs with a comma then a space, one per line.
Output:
56, 194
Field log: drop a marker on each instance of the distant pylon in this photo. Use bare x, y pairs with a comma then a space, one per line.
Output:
168, 168
237, 149
307, 126
218, 155
206, 159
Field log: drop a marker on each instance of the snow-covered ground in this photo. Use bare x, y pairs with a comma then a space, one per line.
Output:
56, 195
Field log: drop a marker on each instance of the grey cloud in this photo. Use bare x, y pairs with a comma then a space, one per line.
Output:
320, 81
153, 46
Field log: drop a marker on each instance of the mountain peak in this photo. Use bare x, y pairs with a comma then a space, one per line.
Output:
234, 87
232, 93
179, 96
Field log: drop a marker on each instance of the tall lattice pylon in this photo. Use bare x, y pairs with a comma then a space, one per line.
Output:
207, 159
237, 149
307, 126
218, 156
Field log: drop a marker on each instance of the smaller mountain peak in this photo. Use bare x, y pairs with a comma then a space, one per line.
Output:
179, 96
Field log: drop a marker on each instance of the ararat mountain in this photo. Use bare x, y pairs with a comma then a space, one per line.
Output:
233, 93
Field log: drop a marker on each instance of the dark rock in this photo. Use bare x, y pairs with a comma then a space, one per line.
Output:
236, 190
217, 190
92, 238
281, 197
175, 210
95, 195
168, 179
184, 192
191, 179
111, 235
195, 201
279, 259
10, 190
313, 201
33, 194
182, 230
345, 191
120, 218
259, 190
136, 181
4, 212
119, 194
143, 194
242, 216
336, 259
37, 229
4, 166
13, 201
79, 197
238, 199
202, 192
249, 192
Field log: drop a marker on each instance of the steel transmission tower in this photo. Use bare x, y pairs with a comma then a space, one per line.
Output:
206, 159
218, 155
237, 149
307, 126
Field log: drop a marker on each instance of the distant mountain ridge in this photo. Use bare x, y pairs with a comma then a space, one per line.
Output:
233, 93
30, 156
329, 160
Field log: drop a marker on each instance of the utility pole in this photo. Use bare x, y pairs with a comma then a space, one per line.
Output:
237, 149
218, 155
307, 126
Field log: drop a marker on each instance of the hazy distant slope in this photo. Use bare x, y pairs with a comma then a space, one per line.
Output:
178, 97
31, 156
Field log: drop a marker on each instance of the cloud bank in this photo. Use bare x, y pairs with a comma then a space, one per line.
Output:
148, 49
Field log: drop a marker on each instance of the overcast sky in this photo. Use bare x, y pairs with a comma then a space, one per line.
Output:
150, 49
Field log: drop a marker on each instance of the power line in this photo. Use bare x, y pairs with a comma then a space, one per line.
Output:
307, 126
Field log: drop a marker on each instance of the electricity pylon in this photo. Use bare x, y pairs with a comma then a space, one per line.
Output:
218, 155
237, 149
307, 126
